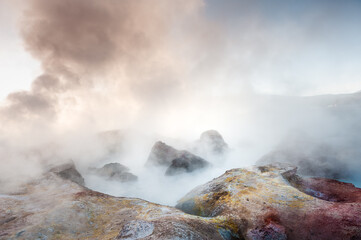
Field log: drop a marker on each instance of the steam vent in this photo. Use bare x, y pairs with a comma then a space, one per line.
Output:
265, 202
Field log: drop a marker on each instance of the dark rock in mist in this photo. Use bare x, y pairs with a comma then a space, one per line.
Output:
114, 171
162, 155
177, 161
212, 142
185, 164
68, 171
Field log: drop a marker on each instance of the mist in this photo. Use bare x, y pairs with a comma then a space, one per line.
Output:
170, 70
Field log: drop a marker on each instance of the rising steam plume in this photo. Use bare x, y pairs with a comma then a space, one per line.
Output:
133, 47
107, 65
161, 70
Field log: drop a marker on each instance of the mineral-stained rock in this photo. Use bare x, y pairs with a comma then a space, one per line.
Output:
68, 171
186, 163
177, 161
274, 203
326, 189
212, 142
261, 203
54, 208
114, 171
136, 229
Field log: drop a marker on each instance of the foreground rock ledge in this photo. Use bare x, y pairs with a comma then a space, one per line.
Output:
274, 203
56, 208
261, 203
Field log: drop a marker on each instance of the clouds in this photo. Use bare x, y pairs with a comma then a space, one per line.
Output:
106, 64
130, 50
163, 53
28, 103
91, 37
138, 51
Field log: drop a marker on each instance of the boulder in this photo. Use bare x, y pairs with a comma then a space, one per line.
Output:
177, 161
68, 171
212, 142
114, 171
162, 155
52, 208
186, 164
273, 202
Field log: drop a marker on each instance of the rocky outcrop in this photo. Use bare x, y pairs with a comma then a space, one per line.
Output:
186, 164
268, 202
212, 142
114, 171
162, 155
274, 203
323, 188
68, 171
177, 161
54, 208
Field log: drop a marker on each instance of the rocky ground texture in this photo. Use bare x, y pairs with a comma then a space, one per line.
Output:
265, 202
274, 203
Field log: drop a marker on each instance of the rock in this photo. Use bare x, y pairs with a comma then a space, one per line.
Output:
186, 164
327, 189
69, 171
125, 177
162, 155
270, 231
53, 208
177, 161
272, 202
110, 169
114, 171
268, 202
136, 229
320, 162
212, 142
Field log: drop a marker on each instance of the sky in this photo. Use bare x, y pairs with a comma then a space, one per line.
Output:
283, 47
302, 47
18, 68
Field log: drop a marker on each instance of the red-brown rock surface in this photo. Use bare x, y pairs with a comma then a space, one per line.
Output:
267, 202
275, 203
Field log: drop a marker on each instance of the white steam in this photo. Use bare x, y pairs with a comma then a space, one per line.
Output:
168, 70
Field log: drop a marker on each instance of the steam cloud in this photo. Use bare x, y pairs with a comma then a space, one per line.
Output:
107, 65
157, 70
130, 46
